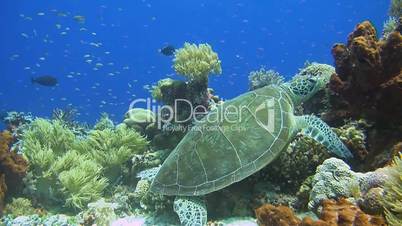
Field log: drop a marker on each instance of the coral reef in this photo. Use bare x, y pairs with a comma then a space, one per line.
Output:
3, 190
263, 77
333, 213
147, 201
16, 121
98, 213
392, 196
389, 26
67, 117
366, 85
13, 168
104, 122
395, 9
196, 62
334, 179
352, 134
296, 163
368, 74
139, 118
112, 148
19, 207
268, 215
75, 171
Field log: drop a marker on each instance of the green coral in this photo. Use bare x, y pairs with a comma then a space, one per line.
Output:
60, 173
395, 9
76, 170
112, 148
392, 199
196, 62
104, 122
263, 77
19, 207
389, 26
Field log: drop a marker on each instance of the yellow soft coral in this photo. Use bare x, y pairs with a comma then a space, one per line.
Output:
196, 62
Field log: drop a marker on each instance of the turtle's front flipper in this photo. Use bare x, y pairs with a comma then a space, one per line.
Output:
318, 130
191, 210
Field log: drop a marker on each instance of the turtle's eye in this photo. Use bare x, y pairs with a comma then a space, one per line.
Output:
312, 81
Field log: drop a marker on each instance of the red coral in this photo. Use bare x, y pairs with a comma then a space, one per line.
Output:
369, 74
334, 213
13, 167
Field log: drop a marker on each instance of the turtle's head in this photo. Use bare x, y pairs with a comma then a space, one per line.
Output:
302, 88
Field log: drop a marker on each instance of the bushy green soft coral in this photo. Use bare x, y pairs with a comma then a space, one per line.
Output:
61, 174
196, 62
263, 77
19, 207
112, 148
82, 184
395, 9
389, 26
104, 122
392, 199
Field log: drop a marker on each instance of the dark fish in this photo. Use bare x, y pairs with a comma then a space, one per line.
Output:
45, 80
168, 50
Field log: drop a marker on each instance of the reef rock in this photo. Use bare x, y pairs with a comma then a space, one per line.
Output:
369, 74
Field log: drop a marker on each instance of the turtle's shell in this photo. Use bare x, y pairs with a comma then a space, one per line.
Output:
230, 143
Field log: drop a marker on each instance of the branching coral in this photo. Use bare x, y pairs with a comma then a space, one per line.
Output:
263, 77
196, 62
392, 199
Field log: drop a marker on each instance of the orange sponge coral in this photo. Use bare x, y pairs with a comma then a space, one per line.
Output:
334, 213
369, 74
13, 167
271, 215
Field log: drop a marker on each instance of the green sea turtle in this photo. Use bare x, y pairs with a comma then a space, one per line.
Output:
237, 139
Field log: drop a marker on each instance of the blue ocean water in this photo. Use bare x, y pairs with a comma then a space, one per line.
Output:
122, 38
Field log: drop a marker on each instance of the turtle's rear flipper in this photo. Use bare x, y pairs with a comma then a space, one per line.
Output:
318, 130
191, 210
